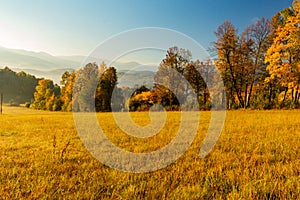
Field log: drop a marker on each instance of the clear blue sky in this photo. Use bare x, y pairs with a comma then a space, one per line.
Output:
75, 27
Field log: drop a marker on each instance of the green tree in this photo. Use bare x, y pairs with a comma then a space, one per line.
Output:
17, 87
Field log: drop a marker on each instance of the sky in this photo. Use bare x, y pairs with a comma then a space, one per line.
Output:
68, 27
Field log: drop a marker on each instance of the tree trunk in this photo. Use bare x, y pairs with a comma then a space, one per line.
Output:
270, 94
223, 98
245, 97
249, 95
296, 96
1, 102
285, 92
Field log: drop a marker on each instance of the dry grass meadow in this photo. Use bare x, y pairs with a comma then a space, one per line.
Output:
256, 157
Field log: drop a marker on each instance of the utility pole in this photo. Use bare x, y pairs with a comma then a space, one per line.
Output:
1, 102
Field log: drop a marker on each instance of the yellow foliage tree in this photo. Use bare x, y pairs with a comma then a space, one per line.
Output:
141, 102
44, 95
67, 90
283, 57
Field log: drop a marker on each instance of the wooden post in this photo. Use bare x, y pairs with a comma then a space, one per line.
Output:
1, 102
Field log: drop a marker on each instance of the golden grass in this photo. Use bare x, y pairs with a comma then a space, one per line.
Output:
256, 157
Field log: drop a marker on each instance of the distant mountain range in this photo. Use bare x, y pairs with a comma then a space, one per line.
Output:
42, 64
22, 59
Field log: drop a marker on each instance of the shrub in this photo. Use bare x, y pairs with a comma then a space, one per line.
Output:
27, 104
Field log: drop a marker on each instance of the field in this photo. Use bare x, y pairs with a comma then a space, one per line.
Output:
256, 157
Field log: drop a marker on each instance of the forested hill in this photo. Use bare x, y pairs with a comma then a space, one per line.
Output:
16, 87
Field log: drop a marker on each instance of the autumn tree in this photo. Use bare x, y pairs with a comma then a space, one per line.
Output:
226, 48
44, 97
89, 89
84, 88
241, 59
67, 83
140, 90
199, 74
169, 78
141, 101
107, 83
283, 57
260, 33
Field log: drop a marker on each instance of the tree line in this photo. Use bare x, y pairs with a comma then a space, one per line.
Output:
260, 69
94, 88
16, 87
77, 92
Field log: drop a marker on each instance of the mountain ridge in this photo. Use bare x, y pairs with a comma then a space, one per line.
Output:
45, 65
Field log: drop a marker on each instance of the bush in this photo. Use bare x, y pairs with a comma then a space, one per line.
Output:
27, 105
